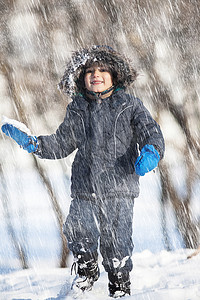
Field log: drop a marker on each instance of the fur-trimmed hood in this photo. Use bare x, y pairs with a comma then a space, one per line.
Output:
72, 81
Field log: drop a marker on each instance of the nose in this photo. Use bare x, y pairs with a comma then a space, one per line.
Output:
95, 73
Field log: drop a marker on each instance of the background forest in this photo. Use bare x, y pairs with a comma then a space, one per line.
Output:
37, 37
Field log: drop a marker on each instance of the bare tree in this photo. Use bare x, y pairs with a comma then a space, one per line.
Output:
21, 253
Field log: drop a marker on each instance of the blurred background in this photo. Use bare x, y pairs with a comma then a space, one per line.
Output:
37, 37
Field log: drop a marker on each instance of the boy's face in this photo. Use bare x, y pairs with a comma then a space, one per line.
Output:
98, 79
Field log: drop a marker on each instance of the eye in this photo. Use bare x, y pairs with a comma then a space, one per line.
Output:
88, 71
103, 70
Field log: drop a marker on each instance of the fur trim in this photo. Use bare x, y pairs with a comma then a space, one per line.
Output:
72, 81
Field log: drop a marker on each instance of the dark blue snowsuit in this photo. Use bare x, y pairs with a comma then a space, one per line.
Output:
104, 183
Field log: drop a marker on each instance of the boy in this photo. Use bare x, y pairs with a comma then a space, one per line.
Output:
108, 127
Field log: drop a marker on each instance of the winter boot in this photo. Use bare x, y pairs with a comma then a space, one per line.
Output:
119, 284
87, 272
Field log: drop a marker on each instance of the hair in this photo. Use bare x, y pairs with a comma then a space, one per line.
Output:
123, 74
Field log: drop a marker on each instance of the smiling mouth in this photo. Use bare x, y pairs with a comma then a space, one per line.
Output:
96, 82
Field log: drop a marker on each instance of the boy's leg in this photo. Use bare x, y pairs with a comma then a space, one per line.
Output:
82, 235
116, 244
81, 228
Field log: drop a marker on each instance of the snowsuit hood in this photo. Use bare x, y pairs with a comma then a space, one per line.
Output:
72, 82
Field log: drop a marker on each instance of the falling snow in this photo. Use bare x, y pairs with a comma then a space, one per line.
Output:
161, 38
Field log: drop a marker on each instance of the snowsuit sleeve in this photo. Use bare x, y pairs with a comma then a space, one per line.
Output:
147, 129
60, 144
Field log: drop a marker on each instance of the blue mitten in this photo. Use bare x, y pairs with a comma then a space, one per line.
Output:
147, 161
26, 141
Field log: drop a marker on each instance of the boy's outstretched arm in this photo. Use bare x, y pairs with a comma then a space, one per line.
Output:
54, 146
20, 133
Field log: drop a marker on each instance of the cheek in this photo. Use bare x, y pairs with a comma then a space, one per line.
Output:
109, 79
86, 80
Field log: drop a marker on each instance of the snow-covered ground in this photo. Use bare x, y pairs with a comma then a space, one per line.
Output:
161, 276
